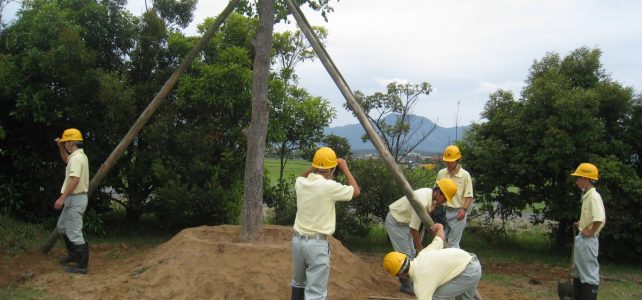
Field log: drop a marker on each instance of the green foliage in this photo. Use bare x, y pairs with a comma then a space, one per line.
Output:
282, 197
17, 236
570, 112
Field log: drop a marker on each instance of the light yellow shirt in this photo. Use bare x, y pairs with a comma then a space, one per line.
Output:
403, 212
592, 210
315, 199
434, 266
77, 166
464, 186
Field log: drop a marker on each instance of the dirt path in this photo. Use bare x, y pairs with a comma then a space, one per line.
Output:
210, 263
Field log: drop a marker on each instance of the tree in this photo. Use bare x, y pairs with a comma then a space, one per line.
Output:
570, 112
297, 118
399, 100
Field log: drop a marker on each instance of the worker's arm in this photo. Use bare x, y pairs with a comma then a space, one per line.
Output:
464, 210
438, 230
73, 183
61, 149
417, 239
589, 231
307, 172
343, 166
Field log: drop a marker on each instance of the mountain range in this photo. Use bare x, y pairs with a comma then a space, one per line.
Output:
439, 139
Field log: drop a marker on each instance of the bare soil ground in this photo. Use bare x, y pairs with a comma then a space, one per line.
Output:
210, 262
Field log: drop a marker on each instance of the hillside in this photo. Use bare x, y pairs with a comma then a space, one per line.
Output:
435, 143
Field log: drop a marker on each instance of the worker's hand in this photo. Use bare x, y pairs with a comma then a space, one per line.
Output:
343, 165
58, 142
586, 232
461, 213
59, 202
438, 230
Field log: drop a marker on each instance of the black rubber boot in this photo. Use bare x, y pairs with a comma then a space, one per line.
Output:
298, 293
577, 289
406, 286
83, 259
589, 291
70, 252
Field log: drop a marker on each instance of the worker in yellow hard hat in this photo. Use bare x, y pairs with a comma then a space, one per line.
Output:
73, 200
586, 268
316, 195
402, 222
457, 209
437, 272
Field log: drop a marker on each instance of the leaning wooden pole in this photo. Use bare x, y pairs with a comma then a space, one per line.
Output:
148, 113
361, 115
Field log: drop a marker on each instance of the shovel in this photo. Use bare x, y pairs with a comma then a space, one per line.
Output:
565, 289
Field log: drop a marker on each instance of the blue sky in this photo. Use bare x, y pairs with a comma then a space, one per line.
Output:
465, 49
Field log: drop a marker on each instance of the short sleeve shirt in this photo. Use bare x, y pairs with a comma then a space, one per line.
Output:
77, 166
464, 186
315, 202
592, 209
434, 266
403, 212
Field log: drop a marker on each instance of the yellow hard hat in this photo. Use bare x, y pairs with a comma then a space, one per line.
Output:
451, 154
71, 134
395, 263
586, 170
324, 159
448, 187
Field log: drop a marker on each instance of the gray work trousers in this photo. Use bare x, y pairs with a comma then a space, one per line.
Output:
455, 227
463, 286
400, 237
70, 220
585, 264
311, 266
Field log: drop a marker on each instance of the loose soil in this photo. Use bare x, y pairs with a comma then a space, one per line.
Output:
210, 262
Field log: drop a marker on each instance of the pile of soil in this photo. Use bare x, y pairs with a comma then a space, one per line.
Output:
210, 262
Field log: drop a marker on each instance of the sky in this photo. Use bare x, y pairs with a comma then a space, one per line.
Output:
465, 49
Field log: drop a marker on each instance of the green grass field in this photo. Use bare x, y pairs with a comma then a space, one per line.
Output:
293, 168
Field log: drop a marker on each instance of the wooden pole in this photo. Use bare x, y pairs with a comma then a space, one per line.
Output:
361, 115
148, 113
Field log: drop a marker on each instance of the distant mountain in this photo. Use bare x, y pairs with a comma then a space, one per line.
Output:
439, 139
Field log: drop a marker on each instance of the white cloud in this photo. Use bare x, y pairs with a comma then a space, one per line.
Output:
486, 88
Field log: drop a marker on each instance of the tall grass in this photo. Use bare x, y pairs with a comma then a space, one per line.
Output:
293, 168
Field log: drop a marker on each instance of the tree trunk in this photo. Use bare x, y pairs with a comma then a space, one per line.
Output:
256, 136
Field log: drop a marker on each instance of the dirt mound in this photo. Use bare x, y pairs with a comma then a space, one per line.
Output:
210, 262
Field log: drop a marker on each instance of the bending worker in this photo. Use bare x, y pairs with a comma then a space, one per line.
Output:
437, 273
586, 269
402, 222
316, 195
456, 209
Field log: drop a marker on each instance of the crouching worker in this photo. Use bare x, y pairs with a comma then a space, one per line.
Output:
73, 200
402, 222
437, 272
316, 195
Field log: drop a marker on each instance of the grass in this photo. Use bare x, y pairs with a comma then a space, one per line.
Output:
293, 168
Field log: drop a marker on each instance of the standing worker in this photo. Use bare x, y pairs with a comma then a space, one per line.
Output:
437, 272
316, 195
73, 200
456, 209
402, 222
586, 269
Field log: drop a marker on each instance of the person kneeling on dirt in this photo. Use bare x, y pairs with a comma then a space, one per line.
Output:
586, 269
316, 195
438, 272
402, 222
73, 200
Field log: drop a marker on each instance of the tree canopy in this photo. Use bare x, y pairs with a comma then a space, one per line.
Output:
569, 112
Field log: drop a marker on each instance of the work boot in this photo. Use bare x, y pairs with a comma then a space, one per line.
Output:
406, 286
577, 289
82, 252
589, 291
70, 252
298, 293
